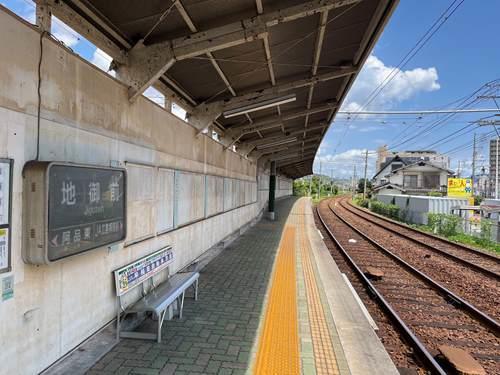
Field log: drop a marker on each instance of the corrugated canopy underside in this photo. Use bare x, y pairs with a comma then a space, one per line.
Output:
302, 48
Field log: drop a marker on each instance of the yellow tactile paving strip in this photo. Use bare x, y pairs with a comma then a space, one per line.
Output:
278, 350
324, 355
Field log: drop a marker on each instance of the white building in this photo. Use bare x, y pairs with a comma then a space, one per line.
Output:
418, 178
384, 156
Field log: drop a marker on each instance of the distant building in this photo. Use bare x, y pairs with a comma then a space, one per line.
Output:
493, 164
384, 156
400, 176
482, 184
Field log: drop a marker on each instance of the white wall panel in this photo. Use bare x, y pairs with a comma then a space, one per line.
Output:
140, 202
228, 194
215, 195
190, 194
165, 200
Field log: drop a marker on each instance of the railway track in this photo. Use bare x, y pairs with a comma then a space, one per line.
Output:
425, 313
476, 284
473, 258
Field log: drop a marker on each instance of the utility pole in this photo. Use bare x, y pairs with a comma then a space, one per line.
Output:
320, 176
310, 183
366, 166
331, 182
354, 180
496, 169
473, 163
458, 169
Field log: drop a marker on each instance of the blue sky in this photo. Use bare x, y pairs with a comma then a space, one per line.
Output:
457, 60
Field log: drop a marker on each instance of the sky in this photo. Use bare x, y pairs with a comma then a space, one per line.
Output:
456, 60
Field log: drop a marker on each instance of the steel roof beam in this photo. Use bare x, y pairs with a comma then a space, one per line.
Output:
276, 121
272, 139
285, 151
291, 84
293, 145
189, 22
293, 156
317, 54
287, 148
251, 97
299, 159
147, 63
87, 29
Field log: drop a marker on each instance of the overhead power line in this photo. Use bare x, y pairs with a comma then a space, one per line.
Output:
422, 112
422, 41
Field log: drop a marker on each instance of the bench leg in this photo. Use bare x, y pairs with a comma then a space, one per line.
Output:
182, 306
196, 290
118, 320
161, 318
118, 326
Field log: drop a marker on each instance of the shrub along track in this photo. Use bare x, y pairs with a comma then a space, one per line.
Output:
480, 286
434, 316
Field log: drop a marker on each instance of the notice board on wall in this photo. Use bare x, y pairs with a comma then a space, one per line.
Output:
5, 213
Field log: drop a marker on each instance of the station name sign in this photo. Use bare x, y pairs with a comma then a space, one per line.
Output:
84, 209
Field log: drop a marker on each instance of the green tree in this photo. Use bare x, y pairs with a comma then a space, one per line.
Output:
361, 185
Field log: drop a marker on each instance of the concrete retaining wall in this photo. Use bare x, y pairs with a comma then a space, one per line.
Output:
86, 118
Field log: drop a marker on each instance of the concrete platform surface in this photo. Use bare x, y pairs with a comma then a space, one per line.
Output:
273, 302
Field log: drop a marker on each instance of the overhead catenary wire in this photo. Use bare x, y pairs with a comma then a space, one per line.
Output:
467, 102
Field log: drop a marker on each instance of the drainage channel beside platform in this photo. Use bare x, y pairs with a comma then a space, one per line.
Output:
272, 302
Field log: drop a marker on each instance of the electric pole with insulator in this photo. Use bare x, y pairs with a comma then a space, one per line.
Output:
366, 166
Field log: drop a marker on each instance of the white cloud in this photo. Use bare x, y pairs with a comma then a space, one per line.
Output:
405, 85
342, 164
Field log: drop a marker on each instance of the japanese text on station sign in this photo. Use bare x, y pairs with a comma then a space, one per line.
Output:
86, 209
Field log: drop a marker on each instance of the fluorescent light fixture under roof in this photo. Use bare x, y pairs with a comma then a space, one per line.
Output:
277, 143
259, 105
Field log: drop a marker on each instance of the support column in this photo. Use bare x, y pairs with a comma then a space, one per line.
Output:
272, 190
43, 16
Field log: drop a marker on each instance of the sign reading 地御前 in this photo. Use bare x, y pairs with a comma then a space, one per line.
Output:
460, 187
86, 208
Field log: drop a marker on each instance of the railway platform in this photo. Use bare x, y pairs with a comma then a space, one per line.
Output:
273, 302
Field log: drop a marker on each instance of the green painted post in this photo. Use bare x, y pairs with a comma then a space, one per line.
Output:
272, 190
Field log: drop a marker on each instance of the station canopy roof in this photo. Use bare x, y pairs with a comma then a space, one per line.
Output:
269, 76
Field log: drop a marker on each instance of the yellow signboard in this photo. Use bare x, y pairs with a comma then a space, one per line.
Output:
460, 187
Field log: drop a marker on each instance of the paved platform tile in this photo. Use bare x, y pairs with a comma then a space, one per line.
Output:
217, 332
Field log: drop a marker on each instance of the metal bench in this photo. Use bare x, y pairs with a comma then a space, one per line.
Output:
159, 298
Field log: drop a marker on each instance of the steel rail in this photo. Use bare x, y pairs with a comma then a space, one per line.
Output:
423, 354
471, 309
430, 235
428, 246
